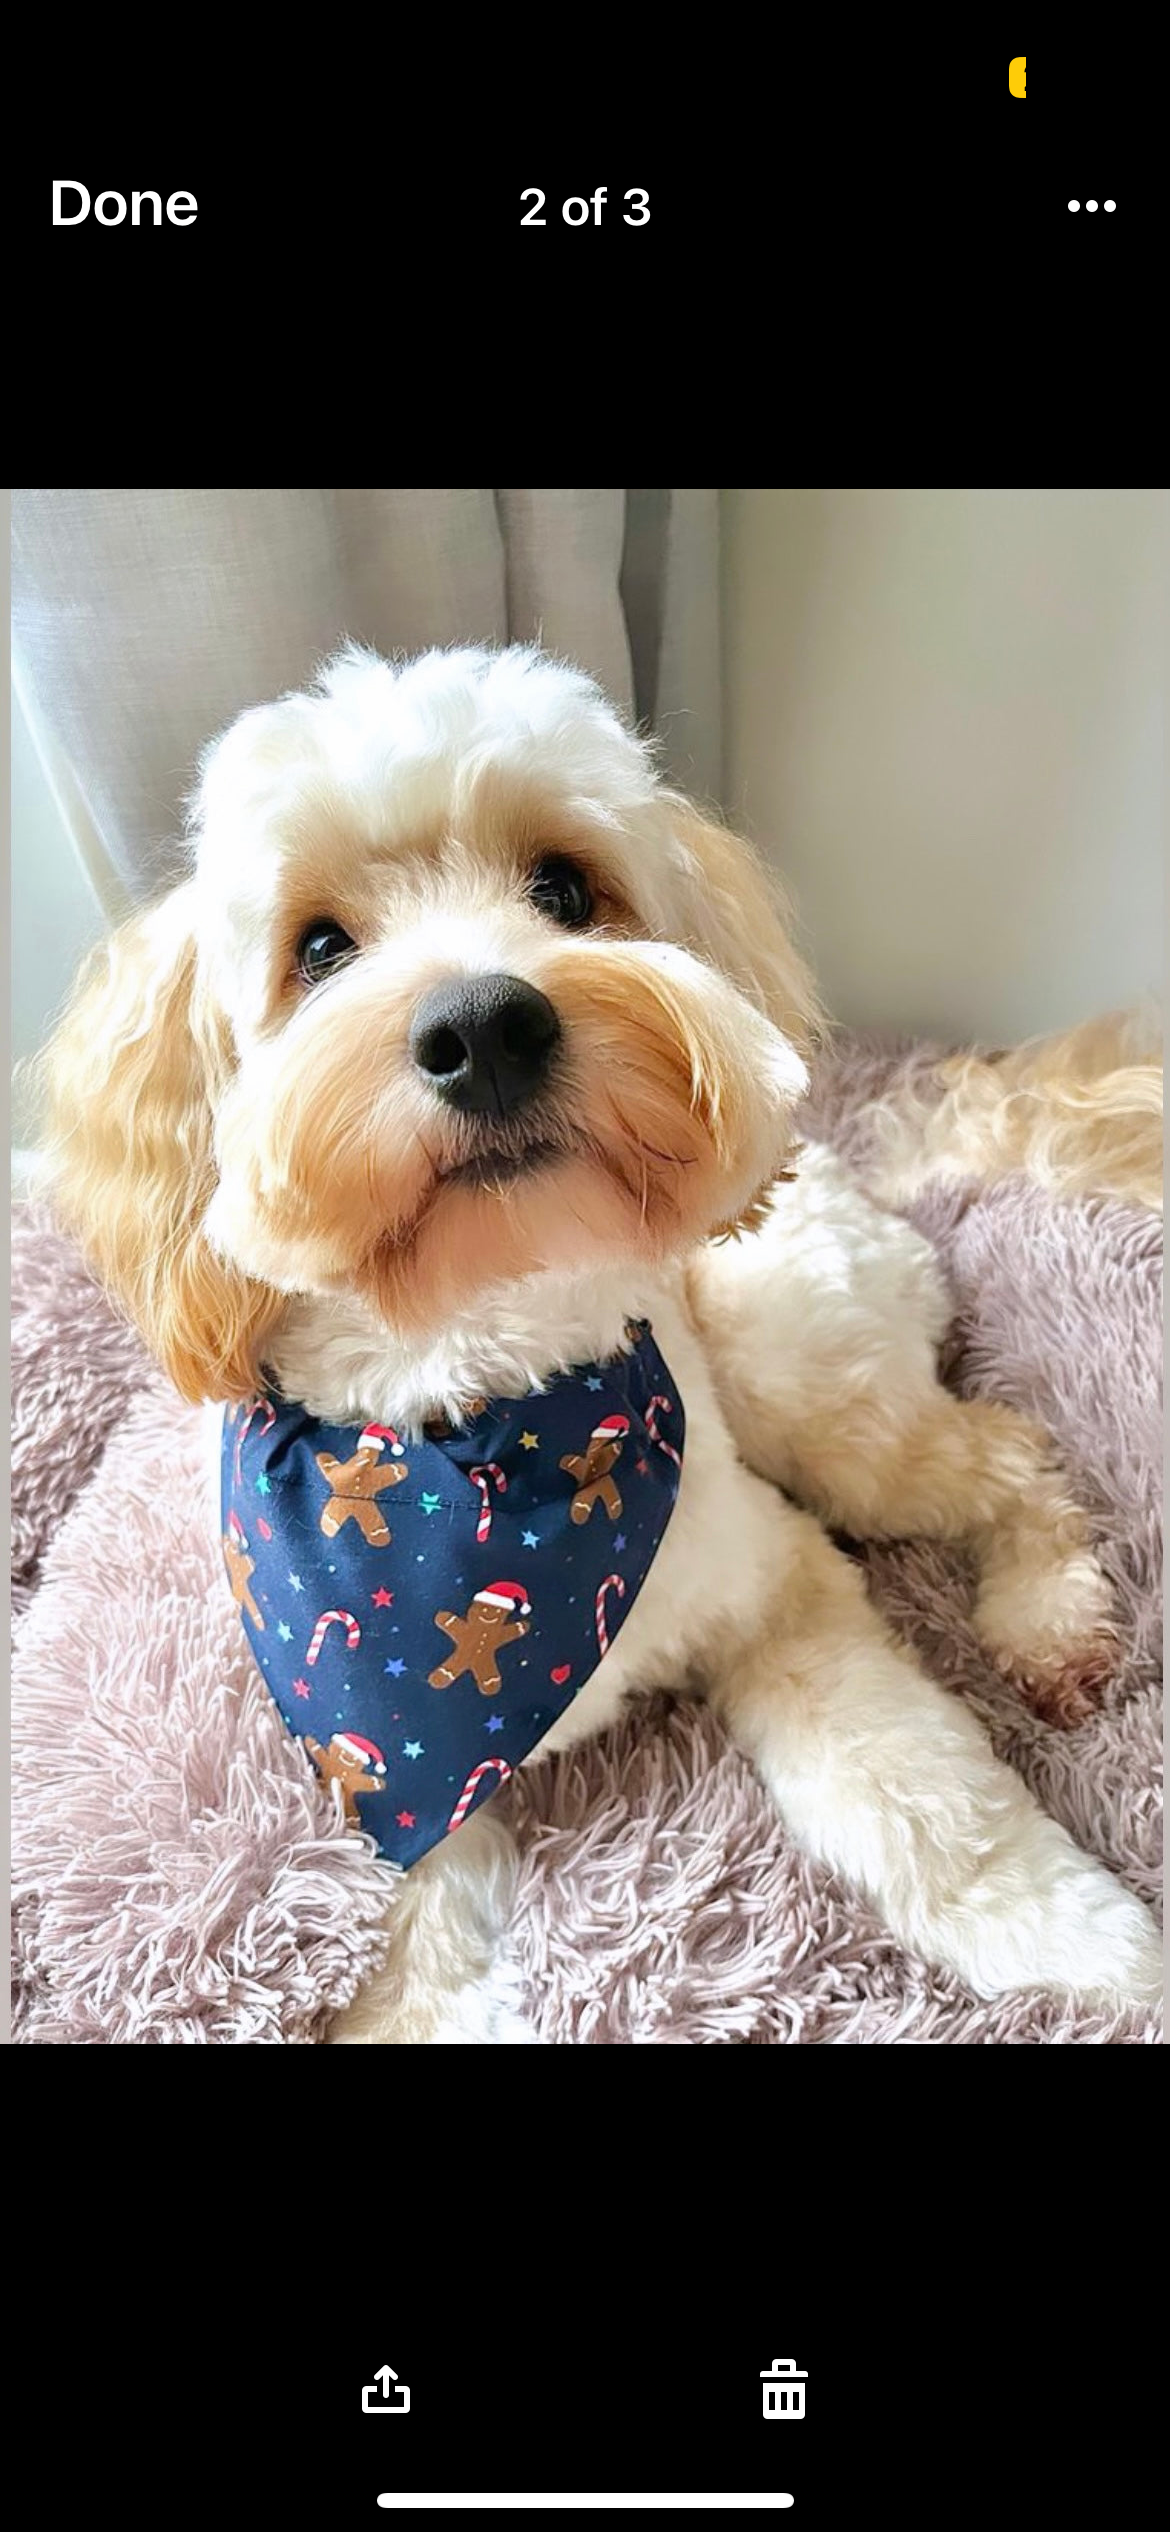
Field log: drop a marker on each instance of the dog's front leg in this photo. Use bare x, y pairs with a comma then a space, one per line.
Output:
445, 1918
892, 1782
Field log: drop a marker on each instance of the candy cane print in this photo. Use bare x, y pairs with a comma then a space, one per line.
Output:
482, 1478
667, 1406
484, 1768
266, 1427
334, 1617
613, 1582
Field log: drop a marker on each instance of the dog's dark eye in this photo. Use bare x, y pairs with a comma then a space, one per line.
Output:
321, 948
561, 891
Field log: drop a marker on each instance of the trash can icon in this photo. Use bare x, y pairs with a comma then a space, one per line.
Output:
783, 2389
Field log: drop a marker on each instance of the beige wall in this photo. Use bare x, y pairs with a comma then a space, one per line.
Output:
944, 724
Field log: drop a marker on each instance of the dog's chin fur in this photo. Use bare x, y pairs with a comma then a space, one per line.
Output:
227, 1139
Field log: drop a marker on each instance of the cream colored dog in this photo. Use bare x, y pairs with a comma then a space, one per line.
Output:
271, 1167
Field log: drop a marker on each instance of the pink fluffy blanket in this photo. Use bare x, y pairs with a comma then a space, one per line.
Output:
179, 1875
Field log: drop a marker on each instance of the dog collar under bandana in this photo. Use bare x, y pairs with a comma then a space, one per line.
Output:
422, 1612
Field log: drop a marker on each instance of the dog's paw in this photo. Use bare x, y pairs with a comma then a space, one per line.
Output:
1064, 1685
477, 2019
487, 2013
1082, 1933
470, 2020
1124, 1963
1085, 1936
1050, 1630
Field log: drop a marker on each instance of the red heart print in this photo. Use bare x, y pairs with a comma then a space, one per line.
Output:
558, 1677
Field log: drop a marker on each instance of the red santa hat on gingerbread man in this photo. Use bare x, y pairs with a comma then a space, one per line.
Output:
612, 1428
506, 1595
374, 1436
352, 1745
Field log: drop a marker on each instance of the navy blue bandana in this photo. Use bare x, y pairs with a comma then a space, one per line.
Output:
422, 1612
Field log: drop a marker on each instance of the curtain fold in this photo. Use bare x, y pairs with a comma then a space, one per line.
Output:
144, 620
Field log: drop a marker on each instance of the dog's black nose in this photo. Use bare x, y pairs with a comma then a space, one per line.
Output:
485, 1043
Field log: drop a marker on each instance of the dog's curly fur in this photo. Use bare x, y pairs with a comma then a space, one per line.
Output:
1080, 1112
262, 1173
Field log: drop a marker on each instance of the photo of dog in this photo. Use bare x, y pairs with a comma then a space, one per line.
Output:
467, 1045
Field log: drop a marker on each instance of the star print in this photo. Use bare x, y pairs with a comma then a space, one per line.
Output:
495, 1723
284, 1632
301, 1688
296, 1582
593, 1383
395, 1669
529, 1539
620, 1539
406, 1819
262, 1485
382, 1599
412, 1749
643, 1467
431, 1503
530, 1441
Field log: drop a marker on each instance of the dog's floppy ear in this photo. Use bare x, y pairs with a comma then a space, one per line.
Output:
738, 918
127, 1083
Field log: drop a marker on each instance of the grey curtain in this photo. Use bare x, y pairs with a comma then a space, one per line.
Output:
144, 620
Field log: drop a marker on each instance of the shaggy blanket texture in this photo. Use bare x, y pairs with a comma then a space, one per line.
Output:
180, 1876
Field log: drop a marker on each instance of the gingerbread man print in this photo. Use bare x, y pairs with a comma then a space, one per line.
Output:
478, 1639
439, 1428
357, 1765
239, 1566
591, 1468
356, 1481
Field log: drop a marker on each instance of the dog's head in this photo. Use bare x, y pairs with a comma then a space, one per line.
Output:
458, 990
